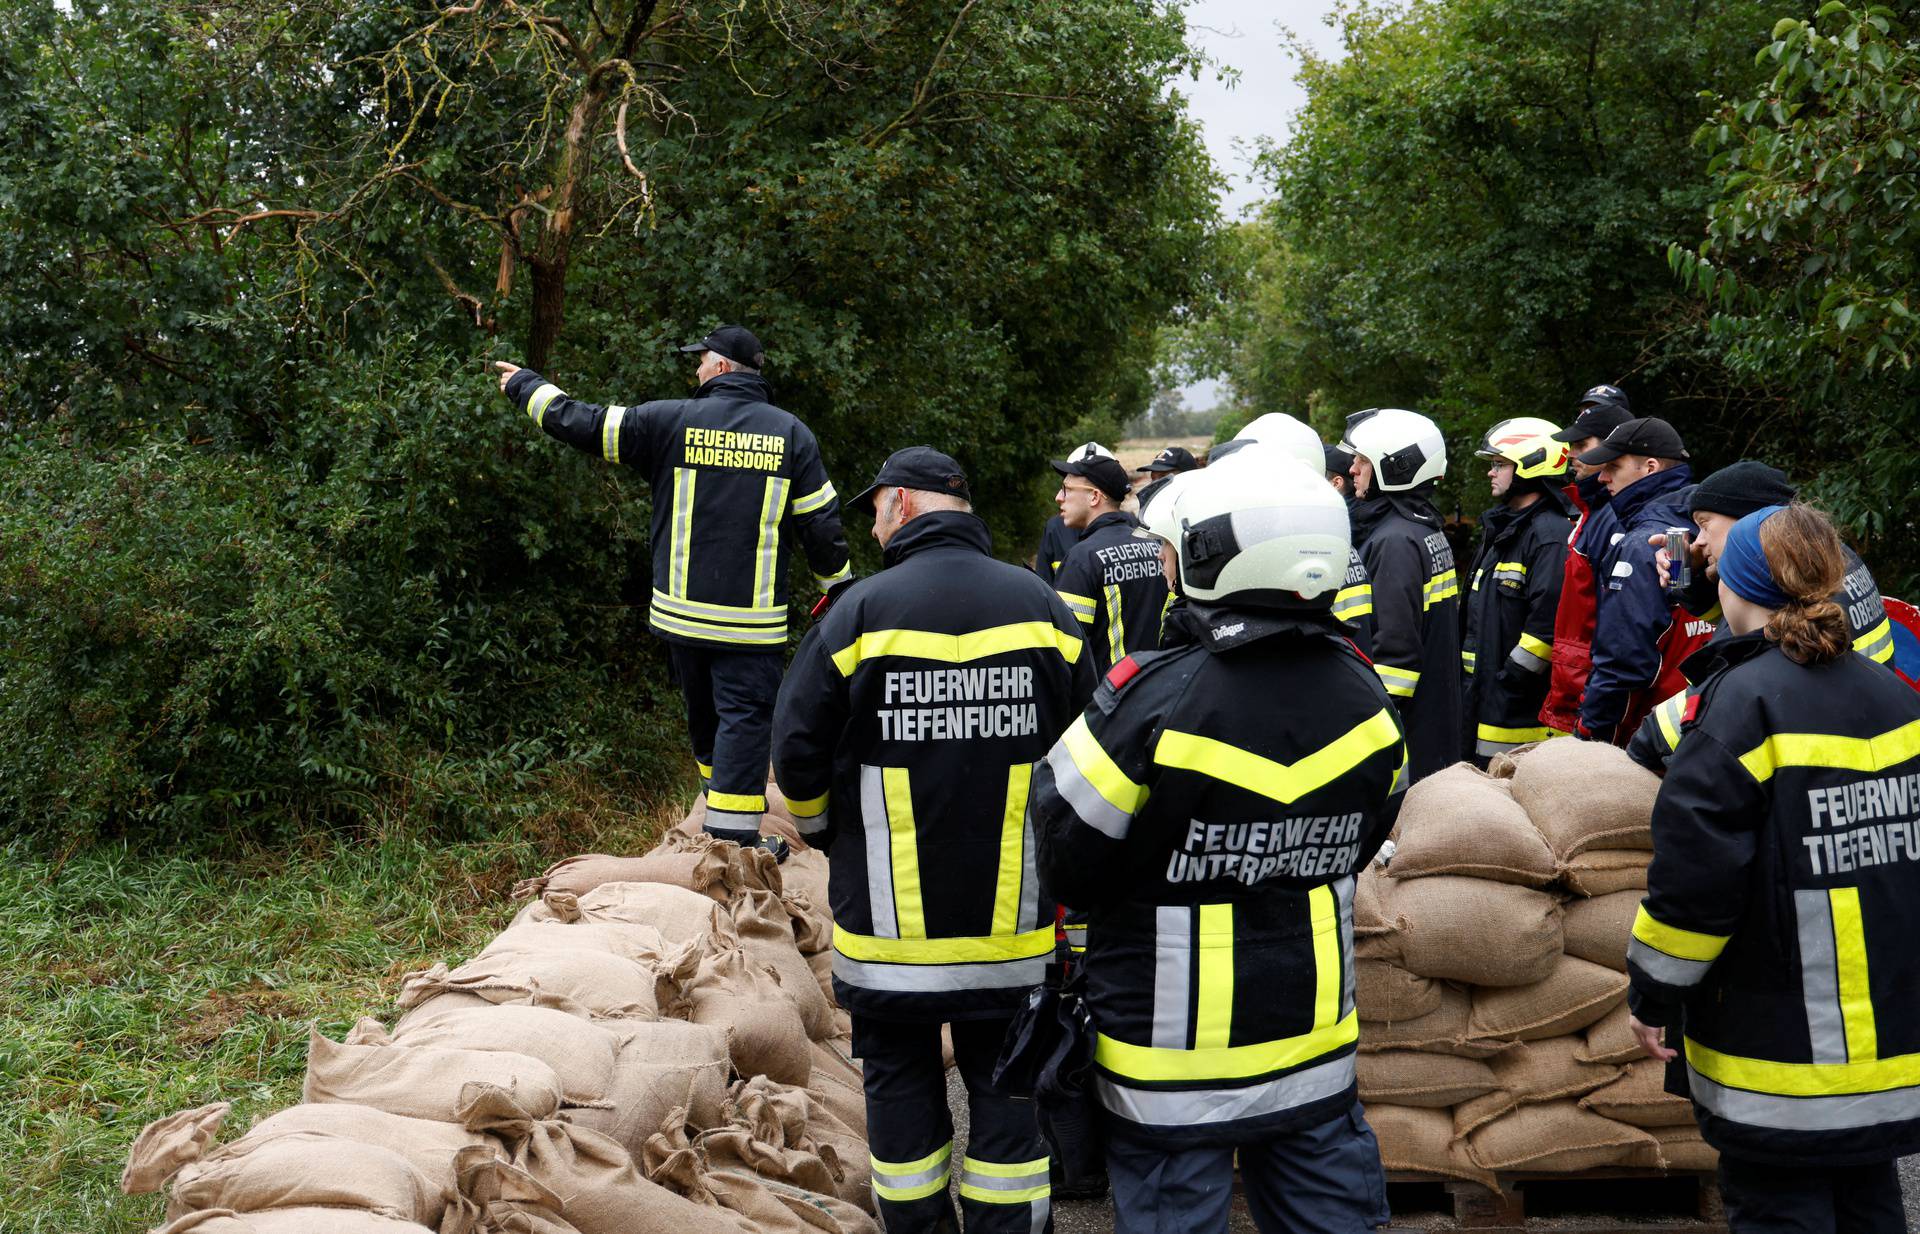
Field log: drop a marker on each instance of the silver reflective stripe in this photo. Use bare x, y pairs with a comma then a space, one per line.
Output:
940, 978
873, 815
1042, 1215
1029, 918
887, 1174
610, 433
1837, 1113
817, 825
1094, 810
729, 820
1527, 661
1663, 967
993, 1182
1343, 895
1487, 749
1820, 976
1198, 1107
1172, 975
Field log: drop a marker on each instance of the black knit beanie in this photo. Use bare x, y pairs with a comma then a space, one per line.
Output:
1739, 490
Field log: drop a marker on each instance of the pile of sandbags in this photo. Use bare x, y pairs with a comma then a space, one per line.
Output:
1490, 974
651, 1044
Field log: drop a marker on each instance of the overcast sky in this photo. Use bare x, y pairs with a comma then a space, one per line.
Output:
1246, 35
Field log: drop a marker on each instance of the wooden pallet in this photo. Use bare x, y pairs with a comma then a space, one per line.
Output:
1611, 1201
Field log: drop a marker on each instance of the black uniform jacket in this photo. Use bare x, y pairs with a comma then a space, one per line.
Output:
905, 738
736, 482
1111, 580
1210, 811
1416, 620
1512, 598
1783, 904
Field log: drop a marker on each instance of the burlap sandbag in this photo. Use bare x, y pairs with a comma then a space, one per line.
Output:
722, 986
1530, 1073
582, 982
1418, 1078
808, 872
1610, 1039
765, 1204
1386, 992
1606, 871
702, 870
427, 1145
639, 943
290, 1221
1585, 795
1678, 1149
304, 1170
681, 916
1473, 930
836, 1084
166, 1144
1597, 929
768, 1132
601, 1190
579, 1051
812, 924
1502, 765
662, 1067
1444, 1030
422, 1082
512, 1201
1555, 1137
1640, 1098
1462, 821
1369, 908
1577, 994
764, 926
740, 869
1421, 1140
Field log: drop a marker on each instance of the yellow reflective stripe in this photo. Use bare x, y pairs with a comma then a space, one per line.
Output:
1355, 601
1013, 845
706, 769
1667, 716
1889, 749
1399, 682
543, 395
610, 433
1440, 587
772, 615
1676, 942
1101, 771
814, 500
901, 1181
1116, 623
681, 531
1512, 736
1882, 635
1283, 782
1140, 1062
974, 949
1856, 996
990, 1195
1762, 1075
956, 648
766, 554
1003, 1169
1326, 958
904, 844
738, 803
694, 628
825, 581
812, 807
1542, 647
1213, 1008
1466, 660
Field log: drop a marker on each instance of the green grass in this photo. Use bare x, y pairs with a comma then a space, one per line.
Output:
143, 983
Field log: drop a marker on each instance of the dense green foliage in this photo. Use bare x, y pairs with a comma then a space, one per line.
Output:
274, 552
1475, 212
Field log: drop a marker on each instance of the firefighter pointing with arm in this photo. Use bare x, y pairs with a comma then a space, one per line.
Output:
906, 740
1211, 808
737, 485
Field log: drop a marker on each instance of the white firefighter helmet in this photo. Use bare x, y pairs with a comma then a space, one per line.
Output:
1274, 534
1405, 448
1157, 521
1280, 431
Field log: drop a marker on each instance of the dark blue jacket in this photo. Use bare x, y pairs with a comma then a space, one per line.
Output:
1635, 612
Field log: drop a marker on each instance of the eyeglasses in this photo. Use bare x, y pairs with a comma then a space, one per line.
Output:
1078, 488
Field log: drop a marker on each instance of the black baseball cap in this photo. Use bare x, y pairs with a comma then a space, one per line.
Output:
917, 467
1173, 458
1339, 460
1604, 395
1648, 435
1106, 473
736, 343
1598, 420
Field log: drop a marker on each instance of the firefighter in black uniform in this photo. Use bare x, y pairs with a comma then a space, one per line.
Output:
1056, 538
906, 738
737, 482
1111, 579
1399, 457
1514, 588
1784, 896
1212, 808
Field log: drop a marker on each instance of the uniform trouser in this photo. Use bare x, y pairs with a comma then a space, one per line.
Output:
1317, 1180
1773, 1199
1003, 1173
729, 696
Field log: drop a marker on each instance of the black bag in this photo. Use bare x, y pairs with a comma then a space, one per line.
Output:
1049, 1053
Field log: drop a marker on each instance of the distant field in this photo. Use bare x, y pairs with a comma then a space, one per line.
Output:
1138, 453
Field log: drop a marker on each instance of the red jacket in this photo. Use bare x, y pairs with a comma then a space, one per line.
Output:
1579, 602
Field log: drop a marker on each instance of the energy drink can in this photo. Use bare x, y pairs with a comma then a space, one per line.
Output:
1679, 561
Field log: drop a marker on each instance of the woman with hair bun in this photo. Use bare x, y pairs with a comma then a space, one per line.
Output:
1777, 936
